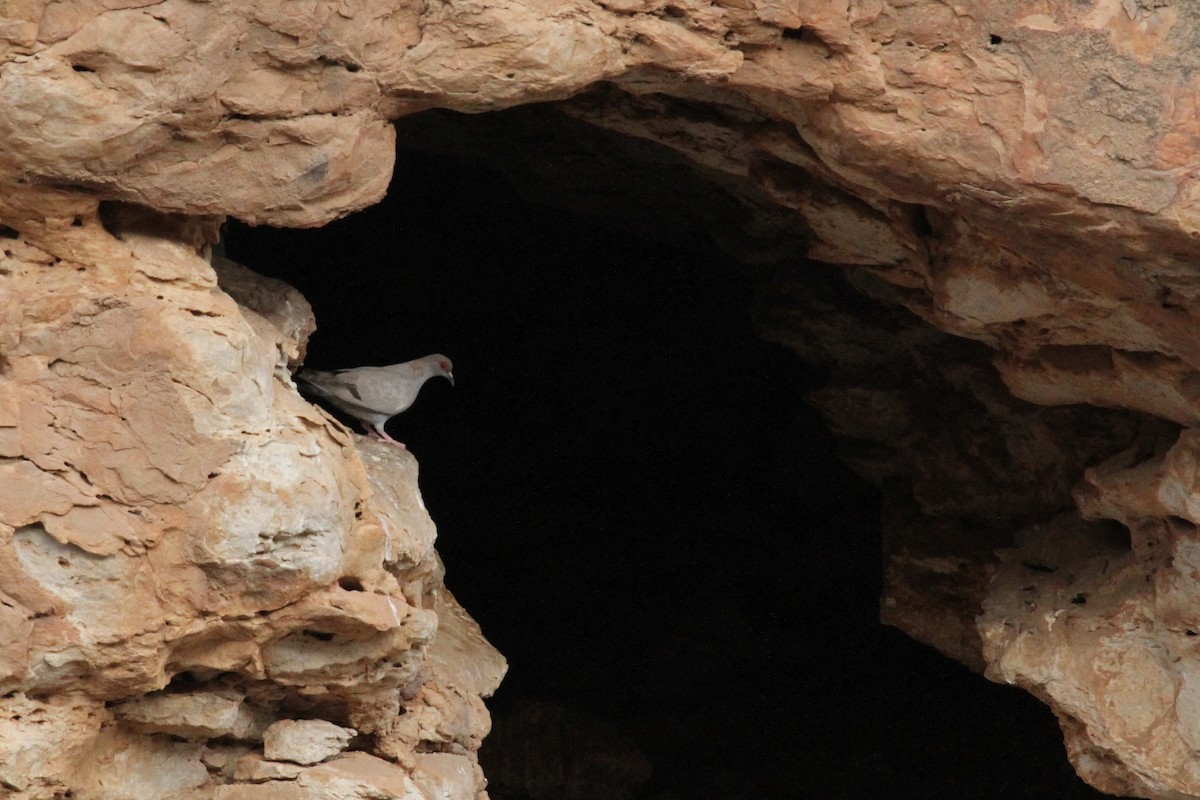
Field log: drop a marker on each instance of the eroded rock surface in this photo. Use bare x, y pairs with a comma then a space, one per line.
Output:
1008, 187
193, 559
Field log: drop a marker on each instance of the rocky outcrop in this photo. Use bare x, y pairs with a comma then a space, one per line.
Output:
193, 554
196, 561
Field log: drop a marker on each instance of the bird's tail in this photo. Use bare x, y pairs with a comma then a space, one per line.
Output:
309, 381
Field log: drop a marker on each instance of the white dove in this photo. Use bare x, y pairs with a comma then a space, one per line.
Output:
373, 395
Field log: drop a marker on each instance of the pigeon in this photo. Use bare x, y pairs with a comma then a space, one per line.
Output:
373, 395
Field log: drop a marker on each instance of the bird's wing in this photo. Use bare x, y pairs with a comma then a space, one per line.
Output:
330, 387
381, 390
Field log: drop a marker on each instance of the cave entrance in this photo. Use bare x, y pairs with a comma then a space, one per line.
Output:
631, 496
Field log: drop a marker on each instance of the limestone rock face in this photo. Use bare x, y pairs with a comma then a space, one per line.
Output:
305, 741
1003, 192
191, 556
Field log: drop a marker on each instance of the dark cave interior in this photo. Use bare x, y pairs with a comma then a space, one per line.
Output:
631, 496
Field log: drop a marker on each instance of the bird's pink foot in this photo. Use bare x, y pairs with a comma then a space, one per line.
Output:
382, 435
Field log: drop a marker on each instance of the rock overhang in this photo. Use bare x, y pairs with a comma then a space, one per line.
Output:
1020, 180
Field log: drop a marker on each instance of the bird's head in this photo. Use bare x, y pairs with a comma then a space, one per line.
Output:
442, 366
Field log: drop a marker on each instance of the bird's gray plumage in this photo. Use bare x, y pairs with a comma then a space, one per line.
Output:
374, 395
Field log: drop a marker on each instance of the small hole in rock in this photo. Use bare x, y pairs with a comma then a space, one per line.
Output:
994, 39
8, 233
81, 68
77, 222
350, 584
676, 11
184, 681
1079, 599
320, 636
108, 213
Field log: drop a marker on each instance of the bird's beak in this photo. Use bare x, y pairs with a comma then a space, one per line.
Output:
450, 377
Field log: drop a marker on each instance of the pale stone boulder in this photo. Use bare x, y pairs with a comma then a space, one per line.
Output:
305, 741
195, 715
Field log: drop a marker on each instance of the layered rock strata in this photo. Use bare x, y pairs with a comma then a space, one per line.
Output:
1013, 173
201, 572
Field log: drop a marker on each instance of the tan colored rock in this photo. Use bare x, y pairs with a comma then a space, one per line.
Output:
195, 715
354, 776
175, 515
442, 776
359, 772
253, 768
121, 764
1016, 175
288, 315
305, 741
1105, 377
41, 741
443, 705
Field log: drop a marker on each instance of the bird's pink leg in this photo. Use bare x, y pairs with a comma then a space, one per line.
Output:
382, 435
